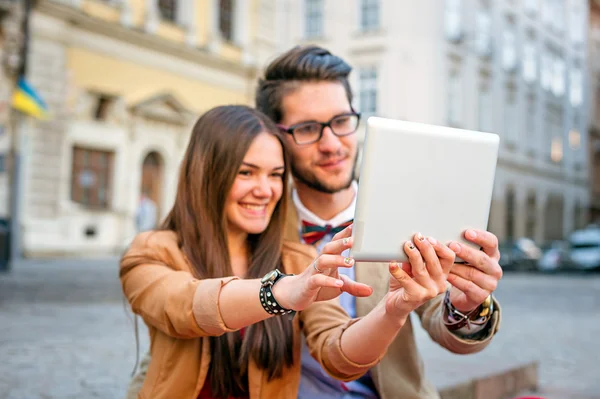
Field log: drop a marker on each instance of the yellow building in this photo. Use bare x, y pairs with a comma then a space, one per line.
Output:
124, 81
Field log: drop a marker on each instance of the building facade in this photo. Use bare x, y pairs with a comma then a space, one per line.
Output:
11, 47
515, 68
594, 108
124, 81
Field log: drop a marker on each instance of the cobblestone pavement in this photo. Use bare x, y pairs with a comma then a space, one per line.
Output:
553, 319
65, 333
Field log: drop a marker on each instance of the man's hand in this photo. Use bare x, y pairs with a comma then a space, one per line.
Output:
474, 281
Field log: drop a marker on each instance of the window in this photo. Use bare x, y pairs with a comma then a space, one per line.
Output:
511, 114
368, 90
574, 139
167, 9
546, 72
226, 8
529, 62
530, 6
484, 27
547, 11
558, 14
576, 22
530, 122
574, 134
558, 78
369, 14
509, 47
453, 19
314, 18
91, 177
554, 130
485, 122
455, 101
576, 87
104, 105
556, 150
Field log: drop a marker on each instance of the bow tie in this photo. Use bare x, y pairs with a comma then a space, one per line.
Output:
313, 233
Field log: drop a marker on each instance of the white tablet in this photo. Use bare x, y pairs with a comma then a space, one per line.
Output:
423, 178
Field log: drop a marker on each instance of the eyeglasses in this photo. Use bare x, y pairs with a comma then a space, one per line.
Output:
311, 132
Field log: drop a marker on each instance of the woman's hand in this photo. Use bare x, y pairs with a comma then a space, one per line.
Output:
321, 280
422, 279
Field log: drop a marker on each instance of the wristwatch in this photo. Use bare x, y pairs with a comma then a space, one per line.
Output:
267, 300
454, 319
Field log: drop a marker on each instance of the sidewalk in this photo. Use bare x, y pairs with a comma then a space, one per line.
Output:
65, 333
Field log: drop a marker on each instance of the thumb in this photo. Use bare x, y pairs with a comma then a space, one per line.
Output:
354, 288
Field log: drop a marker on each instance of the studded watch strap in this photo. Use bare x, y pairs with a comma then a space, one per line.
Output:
269, 303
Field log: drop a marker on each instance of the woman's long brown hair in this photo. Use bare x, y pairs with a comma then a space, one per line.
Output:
217, 146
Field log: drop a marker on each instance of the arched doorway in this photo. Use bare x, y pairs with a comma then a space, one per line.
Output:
531, 216
554, 218
509, 215
596, 173
152, 177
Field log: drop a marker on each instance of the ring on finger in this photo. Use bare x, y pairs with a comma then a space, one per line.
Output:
316, 268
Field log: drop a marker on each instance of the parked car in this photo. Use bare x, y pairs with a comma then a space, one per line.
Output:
519, 254
585, 248
555, 257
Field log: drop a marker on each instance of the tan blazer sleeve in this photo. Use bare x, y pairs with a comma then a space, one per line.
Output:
323, 323
431, 314
160, 287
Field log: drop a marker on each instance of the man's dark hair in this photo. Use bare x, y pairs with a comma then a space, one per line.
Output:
300, 64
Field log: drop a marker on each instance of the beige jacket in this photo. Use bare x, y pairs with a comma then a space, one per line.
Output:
182, 313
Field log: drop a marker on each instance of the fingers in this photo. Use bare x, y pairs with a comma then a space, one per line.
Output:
435, 263
428, 254
404, 291
417, 264
482, 280
478, 259
328, 261
445, 255
471, 290
402, 278
347, 232
337, 246
323, 281
407, 268
354, 288
430, 250
486, 240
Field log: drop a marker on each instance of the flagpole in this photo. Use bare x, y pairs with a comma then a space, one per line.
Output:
17, 183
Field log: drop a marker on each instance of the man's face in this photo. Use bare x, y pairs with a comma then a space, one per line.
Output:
327, 165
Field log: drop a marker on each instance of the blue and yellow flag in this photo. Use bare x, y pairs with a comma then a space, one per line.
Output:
26, 100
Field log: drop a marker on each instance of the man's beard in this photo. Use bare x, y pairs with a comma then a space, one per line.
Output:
309, 179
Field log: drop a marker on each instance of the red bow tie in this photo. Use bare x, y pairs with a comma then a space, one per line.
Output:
313, 233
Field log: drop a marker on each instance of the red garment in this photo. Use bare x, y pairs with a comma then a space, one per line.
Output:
206, 392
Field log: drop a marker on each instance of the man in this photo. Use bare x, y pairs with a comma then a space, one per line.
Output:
306, 91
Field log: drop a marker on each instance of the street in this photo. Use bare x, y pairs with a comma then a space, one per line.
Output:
65, 333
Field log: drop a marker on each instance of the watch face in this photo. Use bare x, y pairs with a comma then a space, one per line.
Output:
269, 277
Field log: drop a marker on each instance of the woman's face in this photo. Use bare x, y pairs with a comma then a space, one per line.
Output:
257, 187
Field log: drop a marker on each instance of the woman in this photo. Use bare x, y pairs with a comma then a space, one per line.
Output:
217, 287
